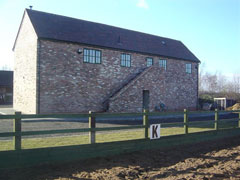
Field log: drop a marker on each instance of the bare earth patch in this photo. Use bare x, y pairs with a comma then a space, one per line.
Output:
210, 160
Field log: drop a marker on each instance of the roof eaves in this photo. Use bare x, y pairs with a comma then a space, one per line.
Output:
25, 12
18, 31
197, 60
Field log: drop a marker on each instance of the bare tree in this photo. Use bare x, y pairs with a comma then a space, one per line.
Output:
212, 82
5, 67
217, 84
221, 82
201, 77
236, 83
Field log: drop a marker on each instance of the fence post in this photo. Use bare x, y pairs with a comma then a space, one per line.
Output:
239, 120
17, 128
185, 121
216, 119
92, 124
145, 122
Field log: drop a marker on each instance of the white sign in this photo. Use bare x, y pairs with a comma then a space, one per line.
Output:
155, 131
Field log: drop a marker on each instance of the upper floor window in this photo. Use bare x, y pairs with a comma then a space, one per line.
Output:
149, 62
126, 60
92, 56
189, 68
163, 63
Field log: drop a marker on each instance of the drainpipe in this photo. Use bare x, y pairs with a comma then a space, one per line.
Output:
38, 77
197, 86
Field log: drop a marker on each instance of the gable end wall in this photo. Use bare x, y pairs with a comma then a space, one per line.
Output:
25, 69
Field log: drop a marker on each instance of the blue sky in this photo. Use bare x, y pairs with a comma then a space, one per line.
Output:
209, 28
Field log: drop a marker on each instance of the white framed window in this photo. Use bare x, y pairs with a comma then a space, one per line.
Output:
149, 61
163, 63
189, 68
126, 60
92, 56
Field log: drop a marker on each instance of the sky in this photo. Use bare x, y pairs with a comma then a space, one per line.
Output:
209, 28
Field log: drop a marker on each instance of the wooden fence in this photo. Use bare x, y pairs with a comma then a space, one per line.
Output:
18, 133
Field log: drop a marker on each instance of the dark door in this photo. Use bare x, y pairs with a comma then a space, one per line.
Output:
145, 99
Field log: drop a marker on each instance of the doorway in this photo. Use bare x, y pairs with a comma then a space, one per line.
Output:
146, 99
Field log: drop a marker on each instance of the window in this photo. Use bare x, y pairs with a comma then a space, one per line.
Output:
163, 63
92, 56
189, 68
149, 62
126, 60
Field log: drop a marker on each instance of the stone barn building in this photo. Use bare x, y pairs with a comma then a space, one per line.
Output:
67, 65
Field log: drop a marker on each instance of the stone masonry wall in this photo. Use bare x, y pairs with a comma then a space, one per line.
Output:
171, 87
25, 69
67, 84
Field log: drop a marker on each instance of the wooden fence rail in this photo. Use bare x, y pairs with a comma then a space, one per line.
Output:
18, 133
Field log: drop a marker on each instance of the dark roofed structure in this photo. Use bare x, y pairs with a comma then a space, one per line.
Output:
6, 87
56, 27
67, 65
6, 78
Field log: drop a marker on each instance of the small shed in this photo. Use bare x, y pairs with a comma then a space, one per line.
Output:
6, 87
223, 103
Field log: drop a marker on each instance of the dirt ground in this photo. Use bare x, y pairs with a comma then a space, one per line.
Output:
209, 160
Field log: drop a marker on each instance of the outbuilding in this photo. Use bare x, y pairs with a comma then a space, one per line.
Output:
223, 103
6, 87
68, 65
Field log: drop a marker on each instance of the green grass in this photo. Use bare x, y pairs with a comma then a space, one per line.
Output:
30, 143
6, 145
